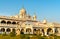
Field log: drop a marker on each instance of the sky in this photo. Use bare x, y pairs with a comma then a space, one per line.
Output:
44, 9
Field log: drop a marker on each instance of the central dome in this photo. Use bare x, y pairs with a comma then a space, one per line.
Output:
22, 11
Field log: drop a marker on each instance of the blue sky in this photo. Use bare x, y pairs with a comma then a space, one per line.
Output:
48, 9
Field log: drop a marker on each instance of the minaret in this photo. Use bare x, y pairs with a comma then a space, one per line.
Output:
22, 13
34, 17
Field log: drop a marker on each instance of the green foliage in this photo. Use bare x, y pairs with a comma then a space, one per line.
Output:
22, 36
26, 36
12, 33
4, 34
52, 35
42, 38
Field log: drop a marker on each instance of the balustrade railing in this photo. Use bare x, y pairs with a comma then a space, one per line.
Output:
2, 24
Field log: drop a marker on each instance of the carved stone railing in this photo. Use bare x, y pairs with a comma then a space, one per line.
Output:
8, 25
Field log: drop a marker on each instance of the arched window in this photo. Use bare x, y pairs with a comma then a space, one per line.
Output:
56, 31
8, 30
22, 31
13, 30
2, 29
48, 30
28, 30
13, 22
3, 21
34, 29
8, 22
43, 30
17, 23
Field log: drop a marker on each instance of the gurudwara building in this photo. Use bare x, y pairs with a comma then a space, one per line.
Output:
23, 23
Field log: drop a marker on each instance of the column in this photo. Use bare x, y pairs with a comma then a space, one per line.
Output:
53, 30
24, 31
45, 31
5, 29
58, 30
11, 29
42, 32
0, 30
32, 31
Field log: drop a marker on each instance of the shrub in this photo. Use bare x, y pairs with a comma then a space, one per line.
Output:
52, 35
42, 37
13, 33
4, 34
22, 36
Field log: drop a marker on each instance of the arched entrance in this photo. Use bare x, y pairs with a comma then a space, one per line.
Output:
13, 22
13, 30
2, 29
36, 31
8, 30
22, 31
3, 21
8, 22
49, 31
56, 30
28, 30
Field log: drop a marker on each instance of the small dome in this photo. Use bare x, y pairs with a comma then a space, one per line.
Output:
44, 21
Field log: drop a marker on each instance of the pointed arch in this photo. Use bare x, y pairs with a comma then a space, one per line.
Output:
8, 30
3, 21
13, 22
8, 22
3, 29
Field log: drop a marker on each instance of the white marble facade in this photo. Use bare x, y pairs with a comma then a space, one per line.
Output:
25, 24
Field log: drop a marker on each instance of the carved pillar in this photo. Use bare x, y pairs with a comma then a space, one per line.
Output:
32, 31
45, 31
5, 29
24, 30
0, 30
11, 29
42, 32
58, 30
53, 30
